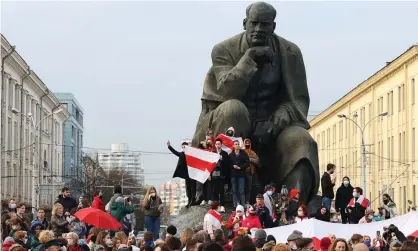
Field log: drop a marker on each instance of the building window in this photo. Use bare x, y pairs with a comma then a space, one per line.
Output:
391, 102
17, 99
16, 137
414, 197
413, 91
413, 144
11, 91
399, 99
403, 96
404, 147
400, 147
9, 133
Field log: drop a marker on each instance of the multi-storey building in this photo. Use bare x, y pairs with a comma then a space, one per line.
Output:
383, 112
31, 133
121, 159
73, 142
173, 195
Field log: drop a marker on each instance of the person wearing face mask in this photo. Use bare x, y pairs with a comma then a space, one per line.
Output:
230, 132
22, 238
293, 237
343, 197
357, 206
252, 183
98, 201
11, 207
153, 208
389, 207
327, 186
302, 214
269, 202
368, 217
235, 221
183, 173
103, 240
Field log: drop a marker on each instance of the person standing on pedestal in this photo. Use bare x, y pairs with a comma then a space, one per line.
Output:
239, 162
218, 176
327, 185
182, 172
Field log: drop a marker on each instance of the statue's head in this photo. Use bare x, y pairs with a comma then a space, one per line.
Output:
259, 23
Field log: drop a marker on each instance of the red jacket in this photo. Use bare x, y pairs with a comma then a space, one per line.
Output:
252, 221
98, 203
229, 224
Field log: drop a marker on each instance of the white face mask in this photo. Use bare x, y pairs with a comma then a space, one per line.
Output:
355, 194
152, 194
239, 214
269, 193
346, 182
109, 242
300, 213
13, 206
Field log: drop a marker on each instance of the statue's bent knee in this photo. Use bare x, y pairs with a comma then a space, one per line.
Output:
233, 107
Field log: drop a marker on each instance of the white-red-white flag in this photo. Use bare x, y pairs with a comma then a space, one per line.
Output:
200, 163
228, 142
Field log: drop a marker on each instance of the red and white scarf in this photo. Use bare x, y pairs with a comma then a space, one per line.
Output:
214, 218
361, 200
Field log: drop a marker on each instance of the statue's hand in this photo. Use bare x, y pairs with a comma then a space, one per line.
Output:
265, 53
281, 120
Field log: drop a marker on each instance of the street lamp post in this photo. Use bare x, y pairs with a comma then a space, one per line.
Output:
363, 144
36, 187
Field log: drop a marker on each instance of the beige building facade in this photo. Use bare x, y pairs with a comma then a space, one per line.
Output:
389, 139
31, 141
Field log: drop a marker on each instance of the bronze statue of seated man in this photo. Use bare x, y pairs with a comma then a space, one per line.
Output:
257, 84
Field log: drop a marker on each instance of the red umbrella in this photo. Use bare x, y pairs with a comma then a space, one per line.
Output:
98, 218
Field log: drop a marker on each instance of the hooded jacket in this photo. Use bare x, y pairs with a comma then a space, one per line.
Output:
231, 129
343, 196
254, 160
292, 210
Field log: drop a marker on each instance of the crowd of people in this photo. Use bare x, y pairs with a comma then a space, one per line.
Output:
236, 172
40, 233
255, 210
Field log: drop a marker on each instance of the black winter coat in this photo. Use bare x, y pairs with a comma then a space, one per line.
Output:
222, 166
242, 160
343, 197
181, 168
69, 204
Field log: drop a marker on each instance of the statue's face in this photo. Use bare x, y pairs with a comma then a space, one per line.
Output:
260, 26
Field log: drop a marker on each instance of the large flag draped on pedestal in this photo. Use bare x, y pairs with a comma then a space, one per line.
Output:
312, 228
200, 163
228, 142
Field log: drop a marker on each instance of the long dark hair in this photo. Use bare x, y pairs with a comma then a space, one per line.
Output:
387, 196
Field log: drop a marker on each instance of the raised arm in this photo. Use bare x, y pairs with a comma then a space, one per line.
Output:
172, 150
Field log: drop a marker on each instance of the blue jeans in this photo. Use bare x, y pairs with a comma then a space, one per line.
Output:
238, 190
153, 225
326, 202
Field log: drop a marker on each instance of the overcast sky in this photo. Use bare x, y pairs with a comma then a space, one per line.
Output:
137, 68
